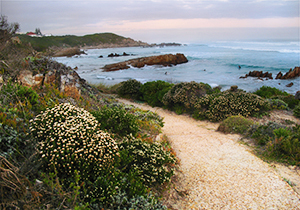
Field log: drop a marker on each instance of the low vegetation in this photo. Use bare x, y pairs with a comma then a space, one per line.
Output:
232, 108
87, 152
44, 43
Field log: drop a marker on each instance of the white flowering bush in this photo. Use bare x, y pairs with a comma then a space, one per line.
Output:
219, 106
69, 139
153, 164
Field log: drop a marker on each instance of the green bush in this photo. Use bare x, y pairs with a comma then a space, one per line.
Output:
297, 111
235, 124
117, 120
278, 104
153, 92
219, 106
262, 134
269, 92
113, 183
183, 96
130, 89
69, 140
150, 161
291, 101
286, 144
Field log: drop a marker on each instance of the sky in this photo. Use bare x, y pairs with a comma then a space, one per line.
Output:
155, 21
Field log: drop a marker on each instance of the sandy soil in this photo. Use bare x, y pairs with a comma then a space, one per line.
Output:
217, 172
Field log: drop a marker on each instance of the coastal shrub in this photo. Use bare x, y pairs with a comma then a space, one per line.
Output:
152, 163
219, 106
130, 89
18, 105
296, 111
235, 124
290, 100
113, 185
117, 120
153, 92
286, 144
69, 140
269, 92
278, 104
263, 133
183, 96
150, 123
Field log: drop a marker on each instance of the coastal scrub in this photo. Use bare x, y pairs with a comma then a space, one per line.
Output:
69, 140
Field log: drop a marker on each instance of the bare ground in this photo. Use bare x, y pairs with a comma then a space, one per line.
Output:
217, 172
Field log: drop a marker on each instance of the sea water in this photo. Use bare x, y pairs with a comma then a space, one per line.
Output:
215, 63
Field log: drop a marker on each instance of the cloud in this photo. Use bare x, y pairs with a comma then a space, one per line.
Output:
86, 16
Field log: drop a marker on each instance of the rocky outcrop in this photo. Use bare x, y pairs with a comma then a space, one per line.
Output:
111, 55
258, 74
293, 73
69, 52
164, 60
52, 73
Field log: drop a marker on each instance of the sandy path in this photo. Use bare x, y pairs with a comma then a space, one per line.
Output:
219, 172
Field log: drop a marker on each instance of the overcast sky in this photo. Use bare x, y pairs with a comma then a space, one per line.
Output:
160, 20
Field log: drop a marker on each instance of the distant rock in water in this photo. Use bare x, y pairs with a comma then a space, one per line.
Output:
293, 73
290, 85
164, 60
118, 55
258, 74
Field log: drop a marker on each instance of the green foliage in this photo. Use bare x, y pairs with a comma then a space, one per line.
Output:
130, 89
286, 144
117, 120
235, 124
17, 105
69, 140
153, 92
291, 101
278, 104
150, 161
219, 106
43, 43
297, 111
150, 123
263, 133
184, 96
110, 184
269, 92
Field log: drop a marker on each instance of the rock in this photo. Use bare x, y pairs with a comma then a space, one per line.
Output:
69, 52
233, 88
64, 78
297, 95
111, 55
290, 85
293, 73
258, 74
101, 56
164, 60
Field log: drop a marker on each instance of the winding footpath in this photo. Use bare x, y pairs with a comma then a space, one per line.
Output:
219, 172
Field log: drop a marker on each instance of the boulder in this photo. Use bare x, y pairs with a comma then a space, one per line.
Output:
290, 84
293, 73
64, 78
164, 60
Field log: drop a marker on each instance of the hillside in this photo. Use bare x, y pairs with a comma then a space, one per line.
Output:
99, 40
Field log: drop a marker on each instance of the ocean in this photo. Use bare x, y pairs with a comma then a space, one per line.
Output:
215, 63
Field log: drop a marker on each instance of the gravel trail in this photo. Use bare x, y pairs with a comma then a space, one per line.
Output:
219, 172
